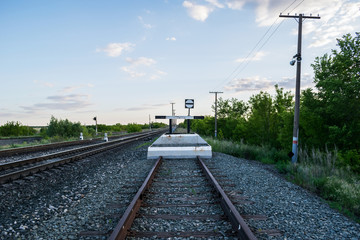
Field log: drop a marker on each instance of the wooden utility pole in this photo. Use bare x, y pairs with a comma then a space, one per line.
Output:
216, 112
301, 18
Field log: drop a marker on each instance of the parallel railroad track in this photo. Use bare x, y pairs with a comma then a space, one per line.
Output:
188, 187
44, 147
17, 169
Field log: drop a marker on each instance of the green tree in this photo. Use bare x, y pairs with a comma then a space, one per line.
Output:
259, 123
63, 128
16, 129
133, 127
337, 80
231, 108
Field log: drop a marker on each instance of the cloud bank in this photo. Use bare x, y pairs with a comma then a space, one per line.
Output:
337, 16
257, 83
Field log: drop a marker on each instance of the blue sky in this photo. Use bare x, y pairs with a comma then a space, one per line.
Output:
125, 60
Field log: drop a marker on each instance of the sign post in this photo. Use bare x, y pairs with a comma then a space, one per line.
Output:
189, 103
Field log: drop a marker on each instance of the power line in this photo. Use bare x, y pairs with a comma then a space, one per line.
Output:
246, 61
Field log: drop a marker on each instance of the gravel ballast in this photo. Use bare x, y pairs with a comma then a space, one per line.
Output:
62, 203
89, 197
294, 211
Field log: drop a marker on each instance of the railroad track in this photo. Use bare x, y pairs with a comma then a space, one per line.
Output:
181, 198
17, 169
45, 147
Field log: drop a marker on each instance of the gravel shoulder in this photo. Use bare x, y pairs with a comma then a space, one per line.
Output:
88, 195
294, 211
92, 194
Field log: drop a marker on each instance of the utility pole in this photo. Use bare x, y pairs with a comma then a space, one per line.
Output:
171, 120
301, 18
172, 109
149, 123
216, 93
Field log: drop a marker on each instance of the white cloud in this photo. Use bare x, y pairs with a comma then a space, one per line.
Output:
142, 67
70, 102
44, 84
198, 12
257, 83
215, 3
145, 25
70, 89
235, 4
157, 75
133, 73
116, 49
141, 61
338, 17
257, 57
170, 39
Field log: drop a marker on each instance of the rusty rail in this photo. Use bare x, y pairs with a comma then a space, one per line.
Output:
68, 152
99, 148
22, 150
121, 229
238, 223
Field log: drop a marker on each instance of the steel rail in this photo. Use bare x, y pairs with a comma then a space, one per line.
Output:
66, 152
21, 150
242, 229
122, 228
101, 148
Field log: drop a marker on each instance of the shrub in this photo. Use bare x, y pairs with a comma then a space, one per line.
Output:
16, 129
350, 159
133, 127
63, 128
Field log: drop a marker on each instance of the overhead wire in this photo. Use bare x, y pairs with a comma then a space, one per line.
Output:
246, 60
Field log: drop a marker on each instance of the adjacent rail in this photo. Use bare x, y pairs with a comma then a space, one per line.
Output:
33, 165
43, 147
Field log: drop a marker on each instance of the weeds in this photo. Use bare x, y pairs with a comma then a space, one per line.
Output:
316, 171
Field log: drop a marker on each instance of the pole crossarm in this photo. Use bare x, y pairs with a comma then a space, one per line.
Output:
179, 117
297, 16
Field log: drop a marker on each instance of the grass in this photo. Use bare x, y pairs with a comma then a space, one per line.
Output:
146, 143
34, 143
316, 171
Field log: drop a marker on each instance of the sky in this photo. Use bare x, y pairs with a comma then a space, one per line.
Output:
125, 61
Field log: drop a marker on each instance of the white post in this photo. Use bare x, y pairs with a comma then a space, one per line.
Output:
106, 137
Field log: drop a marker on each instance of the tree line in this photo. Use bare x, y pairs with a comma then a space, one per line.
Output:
66, 129
329, 113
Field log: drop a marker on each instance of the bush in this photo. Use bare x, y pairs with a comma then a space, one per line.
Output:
16, 129
349, 159
63, 128
133, 127
347, 193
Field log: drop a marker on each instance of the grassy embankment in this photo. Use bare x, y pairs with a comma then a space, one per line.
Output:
315, 171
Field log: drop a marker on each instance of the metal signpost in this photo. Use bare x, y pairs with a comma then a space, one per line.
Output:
189, 103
